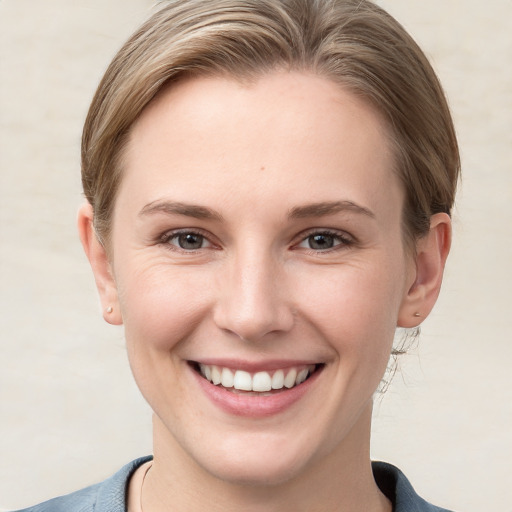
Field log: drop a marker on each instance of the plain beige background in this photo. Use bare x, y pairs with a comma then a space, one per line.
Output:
70, 414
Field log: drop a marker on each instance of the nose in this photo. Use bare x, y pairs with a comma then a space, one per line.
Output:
253, 300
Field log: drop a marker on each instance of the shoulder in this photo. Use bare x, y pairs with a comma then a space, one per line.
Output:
395, 485
107, 496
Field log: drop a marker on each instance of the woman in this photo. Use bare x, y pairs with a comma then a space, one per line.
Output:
269, 187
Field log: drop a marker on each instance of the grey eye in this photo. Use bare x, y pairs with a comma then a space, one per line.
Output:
321, 241
324, 241
188, 241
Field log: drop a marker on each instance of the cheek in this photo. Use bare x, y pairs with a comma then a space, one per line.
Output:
162, 307
355, 306
162, 304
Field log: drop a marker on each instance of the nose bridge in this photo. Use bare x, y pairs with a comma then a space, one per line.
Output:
253, 299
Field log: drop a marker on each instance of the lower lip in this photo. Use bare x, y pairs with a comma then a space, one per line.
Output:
253, 406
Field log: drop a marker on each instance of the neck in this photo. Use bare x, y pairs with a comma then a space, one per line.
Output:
342, 480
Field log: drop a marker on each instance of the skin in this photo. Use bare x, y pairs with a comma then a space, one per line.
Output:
258, 290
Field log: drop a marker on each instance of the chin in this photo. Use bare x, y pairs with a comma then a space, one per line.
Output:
257, 459
259, 471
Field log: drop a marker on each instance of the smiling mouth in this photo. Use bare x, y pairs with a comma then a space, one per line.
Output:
258, 383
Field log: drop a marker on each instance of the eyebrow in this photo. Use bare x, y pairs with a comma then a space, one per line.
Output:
321, 209
328, 208
177, 208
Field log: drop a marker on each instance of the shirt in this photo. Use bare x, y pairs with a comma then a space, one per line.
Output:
110, 495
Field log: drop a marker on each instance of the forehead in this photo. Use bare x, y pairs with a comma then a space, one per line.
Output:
287, 131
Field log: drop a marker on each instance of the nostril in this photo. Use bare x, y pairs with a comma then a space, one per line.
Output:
256, 324
253, 302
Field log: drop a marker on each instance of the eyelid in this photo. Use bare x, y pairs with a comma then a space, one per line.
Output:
164, 239
345, 239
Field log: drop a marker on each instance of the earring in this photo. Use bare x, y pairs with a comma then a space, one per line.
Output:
415, 314
109, 309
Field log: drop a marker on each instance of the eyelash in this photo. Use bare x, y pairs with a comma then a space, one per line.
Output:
166, 238
343, 240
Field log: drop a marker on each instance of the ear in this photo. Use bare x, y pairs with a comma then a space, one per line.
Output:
431, 253
98, 258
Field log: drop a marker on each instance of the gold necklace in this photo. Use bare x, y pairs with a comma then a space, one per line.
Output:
142, 485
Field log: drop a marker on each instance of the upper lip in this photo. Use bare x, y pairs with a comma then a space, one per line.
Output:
255, 366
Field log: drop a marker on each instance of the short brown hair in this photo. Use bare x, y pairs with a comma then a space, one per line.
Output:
352, 42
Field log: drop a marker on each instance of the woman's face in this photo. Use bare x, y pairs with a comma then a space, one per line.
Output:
256, 237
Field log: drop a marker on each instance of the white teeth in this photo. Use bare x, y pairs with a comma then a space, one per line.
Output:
216, 378
242, 381
260, 382
226, 378
289, 380
278, 380
301, 377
